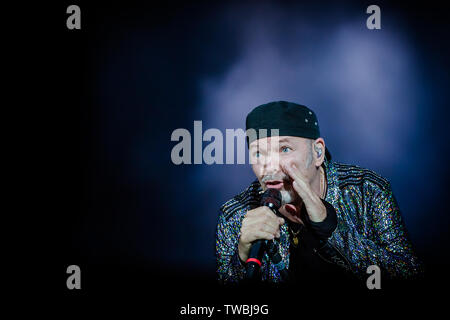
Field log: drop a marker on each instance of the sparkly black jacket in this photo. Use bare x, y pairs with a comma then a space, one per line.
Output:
370, 229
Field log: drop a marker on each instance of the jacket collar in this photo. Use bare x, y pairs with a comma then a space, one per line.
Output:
332, 182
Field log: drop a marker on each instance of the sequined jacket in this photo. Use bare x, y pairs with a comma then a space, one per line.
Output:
370, 229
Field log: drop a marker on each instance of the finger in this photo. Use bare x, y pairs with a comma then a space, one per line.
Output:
297, 187
272, 218
268, 211
264, 213
263, 217
276, 222
261, 223
258, 234
257, 211
269, 214
299, 183
260, 220
294, 172
271, 228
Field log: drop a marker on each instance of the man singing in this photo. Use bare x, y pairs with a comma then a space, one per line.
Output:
335, 221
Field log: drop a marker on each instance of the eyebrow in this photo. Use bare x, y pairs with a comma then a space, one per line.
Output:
284, 140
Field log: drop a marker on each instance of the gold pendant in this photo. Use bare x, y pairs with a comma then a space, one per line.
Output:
295, 241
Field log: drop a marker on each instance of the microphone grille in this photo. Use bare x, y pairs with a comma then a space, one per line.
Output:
271, 196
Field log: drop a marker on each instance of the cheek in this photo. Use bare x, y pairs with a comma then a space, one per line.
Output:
257, 170
291, 159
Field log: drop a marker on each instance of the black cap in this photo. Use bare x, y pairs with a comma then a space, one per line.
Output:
289, 118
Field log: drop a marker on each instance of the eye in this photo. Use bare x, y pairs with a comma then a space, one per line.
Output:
256, 154
285, 149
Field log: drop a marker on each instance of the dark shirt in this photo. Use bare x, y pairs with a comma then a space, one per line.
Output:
306, 267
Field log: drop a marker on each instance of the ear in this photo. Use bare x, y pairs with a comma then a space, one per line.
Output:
318, 152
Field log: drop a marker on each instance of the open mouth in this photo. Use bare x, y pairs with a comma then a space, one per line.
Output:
275, 184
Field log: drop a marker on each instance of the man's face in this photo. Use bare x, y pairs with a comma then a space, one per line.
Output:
267, 155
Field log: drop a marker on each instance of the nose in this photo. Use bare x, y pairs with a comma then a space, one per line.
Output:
272, 164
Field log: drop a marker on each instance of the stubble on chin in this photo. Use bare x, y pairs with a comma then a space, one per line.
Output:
288, 196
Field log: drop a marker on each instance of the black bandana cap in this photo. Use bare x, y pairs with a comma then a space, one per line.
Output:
289, 118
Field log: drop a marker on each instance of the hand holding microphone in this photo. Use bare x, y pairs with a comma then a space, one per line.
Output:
259, 224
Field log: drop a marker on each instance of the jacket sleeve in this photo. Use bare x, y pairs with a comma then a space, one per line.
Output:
230, 269
385, 242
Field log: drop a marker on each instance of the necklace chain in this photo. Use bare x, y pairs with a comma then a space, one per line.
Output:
322, 182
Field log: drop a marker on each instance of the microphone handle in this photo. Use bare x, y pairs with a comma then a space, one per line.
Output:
254, 261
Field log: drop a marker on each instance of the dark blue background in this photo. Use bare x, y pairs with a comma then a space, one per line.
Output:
135, 72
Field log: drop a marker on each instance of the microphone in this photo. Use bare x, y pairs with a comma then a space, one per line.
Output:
271, 198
